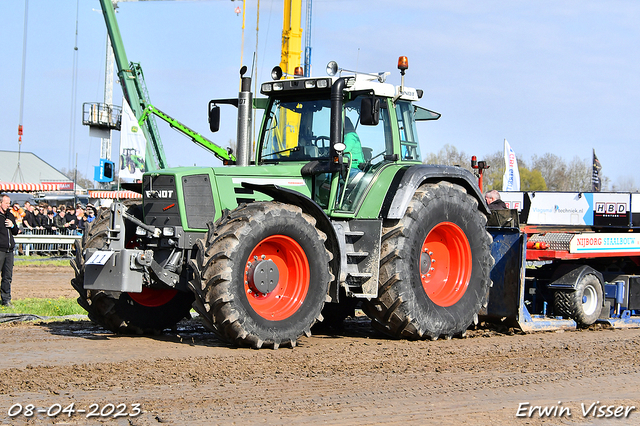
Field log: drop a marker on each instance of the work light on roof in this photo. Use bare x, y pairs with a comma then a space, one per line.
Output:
276, 73
332, 68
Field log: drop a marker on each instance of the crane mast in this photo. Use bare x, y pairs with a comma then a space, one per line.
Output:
291, 36
307, 42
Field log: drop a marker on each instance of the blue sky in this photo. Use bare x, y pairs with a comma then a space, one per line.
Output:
560, 77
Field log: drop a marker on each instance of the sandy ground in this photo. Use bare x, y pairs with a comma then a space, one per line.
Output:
188, 377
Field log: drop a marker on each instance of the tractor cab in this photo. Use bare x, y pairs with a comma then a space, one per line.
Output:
344, 130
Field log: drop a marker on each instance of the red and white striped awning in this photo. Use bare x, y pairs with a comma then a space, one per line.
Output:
28, 187
114, 194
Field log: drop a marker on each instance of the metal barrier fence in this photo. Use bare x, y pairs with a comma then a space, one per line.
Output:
41, 242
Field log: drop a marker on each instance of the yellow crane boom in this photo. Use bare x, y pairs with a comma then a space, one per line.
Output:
291, 36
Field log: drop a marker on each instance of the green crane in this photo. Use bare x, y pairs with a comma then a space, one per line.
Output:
136, 94
223, 154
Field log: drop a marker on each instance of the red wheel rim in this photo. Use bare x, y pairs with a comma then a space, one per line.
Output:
293, 283
153, 297
445, 264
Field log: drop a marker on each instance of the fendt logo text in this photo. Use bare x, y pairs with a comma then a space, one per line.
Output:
165, 193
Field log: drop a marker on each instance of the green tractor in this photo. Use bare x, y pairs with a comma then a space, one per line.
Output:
335, 208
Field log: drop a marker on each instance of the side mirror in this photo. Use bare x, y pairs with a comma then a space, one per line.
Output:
370, 111
214, 117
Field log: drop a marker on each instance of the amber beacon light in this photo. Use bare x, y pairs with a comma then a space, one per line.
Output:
403, 63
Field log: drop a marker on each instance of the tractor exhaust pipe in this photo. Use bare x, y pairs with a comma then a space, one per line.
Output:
245, 103
335, 134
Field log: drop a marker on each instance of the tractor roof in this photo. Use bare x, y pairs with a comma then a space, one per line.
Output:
358, 82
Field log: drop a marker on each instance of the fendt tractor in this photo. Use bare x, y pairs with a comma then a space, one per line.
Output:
335, 208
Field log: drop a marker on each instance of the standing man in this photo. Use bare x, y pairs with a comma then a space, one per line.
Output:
8, 229
71, 219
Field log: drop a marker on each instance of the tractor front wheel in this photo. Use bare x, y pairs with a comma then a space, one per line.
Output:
261, 275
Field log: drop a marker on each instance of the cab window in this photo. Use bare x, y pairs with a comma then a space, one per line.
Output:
376, 141
409, 146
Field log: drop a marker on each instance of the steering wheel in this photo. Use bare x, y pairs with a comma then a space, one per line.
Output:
321, 138
322, 142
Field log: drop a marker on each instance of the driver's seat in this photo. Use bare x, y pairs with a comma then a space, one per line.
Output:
368, 153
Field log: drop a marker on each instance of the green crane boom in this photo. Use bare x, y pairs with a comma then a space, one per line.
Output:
221, 153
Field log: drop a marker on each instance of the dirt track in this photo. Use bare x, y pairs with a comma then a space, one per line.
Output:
356, 377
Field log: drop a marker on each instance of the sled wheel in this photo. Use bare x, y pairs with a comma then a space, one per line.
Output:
434, 267
583, 305
261, 275
148, 312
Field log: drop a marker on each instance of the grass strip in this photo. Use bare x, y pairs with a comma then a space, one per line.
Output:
40, 261
44, 307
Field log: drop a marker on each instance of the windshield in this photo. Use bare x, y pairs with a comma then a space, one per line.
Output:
296, 130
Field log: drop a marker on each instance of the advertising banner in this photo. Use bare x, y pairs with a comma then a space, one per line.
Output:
132, 146
600, 209
604, 243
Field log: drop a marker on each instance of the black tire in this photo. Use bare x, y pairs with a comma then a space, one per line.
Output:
583, 305
123, 162
404, 309
131, 166
226, 295
334, 314
118, 311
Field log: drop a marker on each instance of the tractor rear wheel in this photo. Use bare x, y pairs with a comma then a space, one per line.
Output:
148, 312
434, 267
261, 275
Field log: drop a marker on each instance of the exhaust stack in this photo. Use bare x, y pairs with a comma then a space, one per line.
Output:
245, 102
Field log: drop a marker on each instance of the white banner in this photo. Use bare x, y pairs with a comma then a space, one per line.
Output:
511, 178
132, 146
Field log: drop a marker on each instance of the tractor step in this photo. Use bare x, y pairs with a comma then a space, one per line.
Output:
358, 254
359, 267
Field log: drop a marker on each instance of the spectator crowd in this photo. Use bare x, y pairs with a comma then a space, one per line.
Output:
47, 219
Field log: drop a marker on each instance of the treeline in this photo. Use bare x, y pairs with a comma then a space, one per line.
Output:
78, 177
547, 172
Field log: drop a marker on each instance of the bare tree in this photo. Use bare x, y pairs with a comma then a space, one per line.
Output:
546, 172
626, 183
449, 156
492, 177
578, 177
79, 179
553, 170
